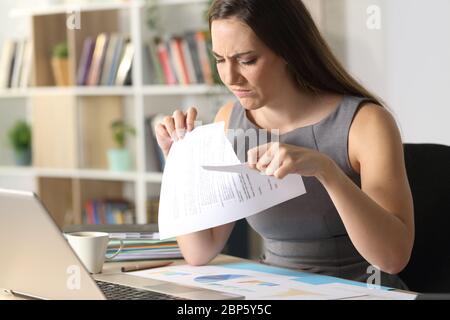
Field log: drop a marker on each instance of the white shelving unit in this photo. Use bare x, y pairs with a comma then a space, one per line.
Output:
145, 90
85, 7
141, 95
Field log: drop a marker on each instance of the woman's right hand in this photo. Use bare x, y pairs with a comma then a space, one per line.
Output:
173, 128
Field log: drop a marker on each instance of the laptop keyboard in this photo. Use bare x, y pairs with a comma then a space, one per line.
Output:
114, 291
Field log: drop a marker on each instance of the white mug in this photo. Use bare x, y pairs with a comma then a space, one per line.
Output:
91, 248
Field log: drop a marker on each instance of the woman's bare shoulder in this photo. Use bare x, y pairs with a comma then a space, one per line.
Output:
371, 118
373, 129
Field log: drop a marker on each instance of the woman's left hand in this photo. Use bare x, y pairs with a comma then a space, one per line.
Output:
279, 160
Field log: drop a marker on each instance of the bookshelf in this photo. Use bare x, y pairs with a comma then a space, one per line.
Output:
71, 124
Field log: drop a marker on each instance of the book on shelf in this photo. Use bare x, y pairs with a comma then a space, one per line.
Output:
105, 60
204, 57
164, 60
182, 59
10, 68
193, 50
108, 211
26, 65
156, 73
98, 58
85, 61
112, 72
15, 63
124, 70
186, 53
112, 57
178, 60
18, 63
172, 65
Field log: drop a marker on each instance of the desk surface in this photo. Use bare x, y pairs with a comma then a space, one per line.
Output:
115, 267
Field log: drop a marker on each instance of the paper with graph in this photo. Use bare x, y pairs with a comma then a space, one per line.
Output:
262, 282
204, 185
251, 284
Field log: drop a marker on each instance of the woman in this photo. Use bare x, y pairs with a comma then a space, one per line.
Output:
358, 210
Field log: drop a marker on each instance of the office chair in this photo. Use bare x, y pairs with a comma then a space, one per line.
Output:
428, 169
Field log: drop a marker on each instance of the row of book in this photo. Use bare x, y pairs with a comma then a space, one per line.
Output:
143, 247
182, 60
108, 212
105, 60
15, 63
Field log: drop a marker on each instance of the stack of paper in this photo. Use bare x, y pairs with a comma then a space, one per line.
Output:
143, 247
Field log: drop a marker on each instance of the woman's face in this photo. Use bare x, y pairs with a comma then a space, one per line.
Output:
253, 72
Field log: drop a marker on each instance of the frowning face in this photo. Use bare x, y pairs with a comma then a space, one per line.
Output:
253, 72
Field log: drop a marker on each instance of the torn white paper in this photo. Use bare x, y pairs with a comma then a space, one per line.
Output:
194, 199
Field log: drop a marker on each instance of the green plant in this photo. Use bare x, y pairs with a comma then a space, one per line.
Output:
20, 136
61, 51
152, 15
120, 130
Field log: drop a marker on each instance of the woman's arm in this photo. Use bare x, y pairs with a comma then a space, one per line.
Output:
201, 247
379, 217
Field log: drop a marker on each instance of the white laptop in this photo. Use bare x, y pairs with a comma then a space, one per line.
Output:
38, 262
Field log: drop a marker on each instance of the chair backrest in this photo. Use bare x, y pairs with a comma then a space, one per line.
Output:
428, 169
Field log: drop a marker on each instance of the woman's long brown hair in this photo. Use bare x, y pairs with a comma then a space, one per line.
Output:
287, 28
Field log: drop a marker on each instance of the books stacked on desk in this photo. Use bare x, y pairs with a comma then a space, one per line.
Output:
143, 246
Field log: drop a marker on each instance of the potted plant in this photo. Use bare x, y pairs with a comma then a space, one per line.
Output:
60, 64
119, 158
20, 139
152, 16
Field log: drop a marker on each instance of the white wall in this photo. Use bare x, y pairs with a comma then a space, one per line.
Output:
419, 67
364, 48
406, 62
9, 27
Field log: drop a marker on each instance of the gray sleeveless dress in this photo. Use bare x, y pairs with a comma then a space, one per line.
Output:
307, 233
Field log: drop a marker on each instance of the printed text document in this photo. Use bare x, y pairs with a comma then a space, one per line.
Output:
204, 185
